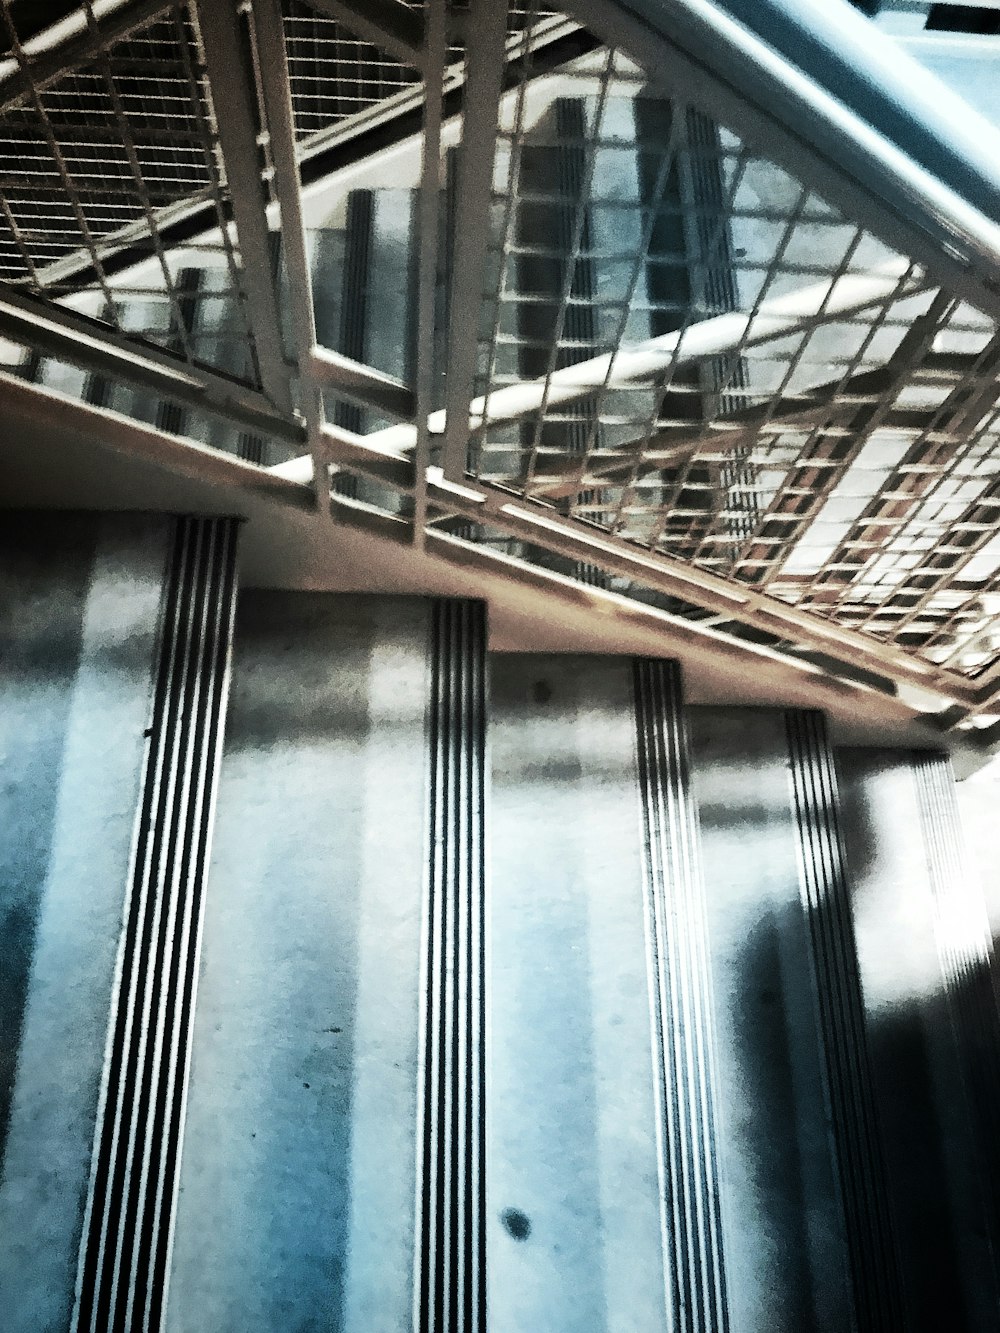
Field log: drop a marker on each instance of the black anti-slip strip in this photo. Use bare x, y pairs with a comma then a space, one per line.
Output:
123, 1269
673, 893
452, 1220
859, 1154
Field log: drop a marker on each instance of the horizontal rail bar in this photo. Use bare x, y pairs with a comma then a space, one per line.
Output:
68, 336
361, 384
50, 410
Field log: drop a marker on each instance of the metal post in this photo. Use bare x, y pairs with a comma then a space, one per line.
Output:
276, 88
436, 51
231, 79
484, 63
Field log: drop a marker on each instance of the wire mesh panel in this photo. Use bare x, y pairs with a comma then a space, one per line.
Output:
681, 342
684, 344
337, 76
334, 74
96, 164
97, 149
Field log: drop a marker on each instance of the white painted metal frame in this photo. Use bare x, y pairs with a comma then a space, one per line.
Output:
697, 51
235, 103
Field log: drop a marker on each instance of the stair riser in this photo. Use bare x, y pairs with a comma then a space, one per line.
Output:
512, 992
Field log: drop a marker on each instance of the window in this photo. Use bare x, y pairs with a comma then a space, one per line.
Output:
963, 18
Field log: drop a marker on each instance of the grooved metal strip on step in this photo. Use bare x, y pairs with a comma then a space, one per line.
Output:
124, 1250
961, 922
965, 948
451, 1221
681, 1002
857, 1141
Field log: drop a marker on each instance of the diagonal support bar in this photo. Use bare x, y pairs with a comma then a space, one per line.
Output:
231, 78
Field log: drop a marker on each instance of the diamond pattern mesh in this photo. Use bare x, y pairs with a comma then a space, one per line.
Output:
680, 343
838, 446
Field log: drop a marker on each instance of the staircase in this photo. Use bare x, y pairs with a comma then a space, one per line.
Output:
358, 978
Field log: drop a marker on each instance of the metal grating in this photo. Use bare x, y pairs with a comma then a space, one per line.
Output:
94, 163
686, 346
98, 149
335, 75
666, 338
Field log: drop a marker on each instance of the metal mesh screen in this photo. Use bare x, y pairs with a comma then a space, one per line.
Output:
334, 74
680, 342
96, 165
684, 345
